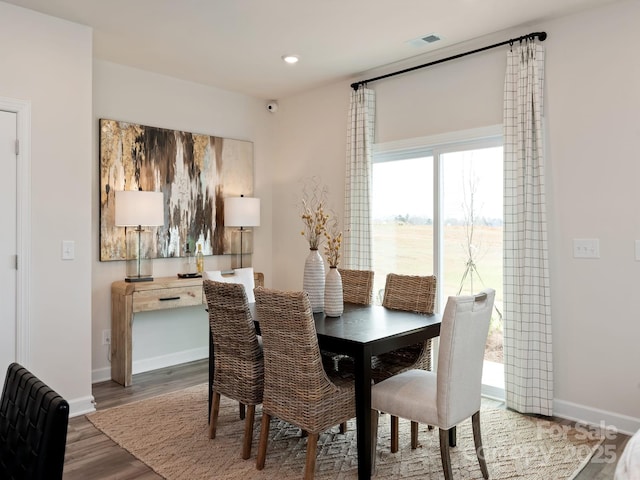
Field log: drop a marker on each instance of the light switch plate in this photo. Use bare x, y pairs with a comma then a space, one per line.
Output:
586, 248
68, 249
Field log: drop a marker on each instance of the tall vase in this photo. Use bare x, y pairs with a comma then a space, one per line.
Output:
313, 280
333, 301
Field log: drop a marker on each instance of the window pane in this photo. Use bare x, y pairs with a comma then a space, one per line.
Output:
402, 219
472, 196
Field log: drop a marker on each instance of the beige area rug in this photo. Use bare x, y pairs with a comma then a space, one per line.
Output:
169, 434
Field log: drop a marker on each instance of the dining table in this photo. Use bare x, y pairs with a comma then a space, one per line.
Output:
361, 332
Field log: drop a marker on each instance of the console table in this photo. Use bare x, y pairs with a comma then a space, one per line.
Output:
128, 298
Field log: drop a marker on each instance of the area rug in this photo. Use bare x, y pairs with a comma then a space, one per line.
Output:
169, 433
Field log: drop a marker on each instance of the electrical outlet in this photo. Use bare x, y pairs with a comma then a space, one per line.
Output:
106, 337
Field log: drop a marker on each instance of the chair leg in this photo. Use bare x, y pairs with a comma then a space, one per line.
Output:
242, 410
264, 437
444, 454
213, 416
477, 439
414, 435
310, 465
248, 432
394, 434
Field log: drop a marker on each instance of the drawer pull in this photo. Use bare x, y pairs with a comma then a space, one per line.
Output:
168, 298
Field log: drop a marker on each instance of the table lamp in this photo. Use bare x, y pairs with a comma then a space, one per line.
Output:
135, 208
242, 212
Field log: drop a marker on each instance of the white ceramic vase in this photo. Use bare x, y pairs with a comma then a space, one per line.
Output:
333, 300
313, 280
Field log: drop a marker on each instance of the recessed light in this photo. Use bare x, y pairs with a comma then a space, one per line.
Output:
290, 59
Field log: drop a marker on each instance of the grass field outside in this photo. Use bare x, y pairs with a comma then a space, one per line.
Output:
408, 249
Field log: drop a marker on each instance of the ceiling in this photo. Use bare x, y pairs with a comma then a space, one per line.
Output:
237, 45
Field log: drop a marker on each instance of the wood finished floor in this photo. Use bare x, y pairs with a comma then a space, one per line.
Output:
91, 455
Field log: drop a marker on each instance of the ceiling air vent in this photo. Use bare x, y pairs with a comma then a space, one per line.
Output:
424, 40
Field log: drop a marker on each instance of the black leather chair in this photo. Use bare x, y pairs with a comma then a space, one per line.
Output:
33, 428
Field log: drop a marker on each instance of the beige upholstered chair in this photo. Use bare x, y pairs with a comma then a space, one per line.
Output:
296, 388
451, 395
239, 364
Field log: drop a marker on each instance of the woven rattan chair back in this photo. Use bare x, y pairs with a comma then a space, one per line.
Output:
238, 361
296, 387
357, 286
412, 293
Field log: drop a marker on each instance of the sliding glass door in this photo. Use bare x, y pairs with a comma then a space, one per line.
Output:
437, 209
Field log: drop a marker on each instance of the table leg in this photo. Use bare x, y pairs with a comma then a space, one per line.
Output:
363, 412
452, 436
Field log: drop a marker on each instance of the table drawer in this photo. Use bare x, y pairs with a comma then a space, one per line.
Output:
162, 299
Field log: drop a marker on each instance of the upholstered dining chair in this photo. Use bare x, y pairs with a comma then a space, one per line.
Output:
239, 364
299, 391
451, 395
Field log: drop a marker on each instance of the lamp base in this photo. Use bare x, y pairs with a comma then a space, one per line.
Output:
138, 279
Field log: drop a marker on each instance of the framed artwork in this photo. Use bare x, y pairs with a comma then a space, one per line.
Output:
194, 172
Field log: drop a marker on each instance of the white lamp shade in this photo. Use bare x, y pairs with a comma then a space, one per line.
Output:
135, 207
241, 212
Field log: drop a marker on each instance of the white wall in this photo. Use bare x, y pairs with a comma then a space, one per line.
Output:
593, 102
47, 62
123, 93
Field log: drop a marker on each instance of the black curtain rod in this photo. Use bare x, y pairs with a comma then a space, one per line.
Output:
542, 36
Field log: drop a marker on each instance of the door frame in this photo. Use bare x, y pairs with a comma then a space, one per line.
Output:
22, 108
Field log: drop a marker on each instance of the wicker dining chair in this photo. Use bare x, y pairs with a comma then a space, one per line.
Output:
296, 387
357, 286
250, 279
238, 359
414, 293
451, 395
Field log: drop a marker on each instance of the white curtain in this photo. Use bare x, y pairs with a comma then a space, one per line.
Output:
358, 242
527, 319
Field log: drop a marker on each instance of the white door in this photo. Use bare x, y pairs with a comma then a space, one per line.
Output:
8, 246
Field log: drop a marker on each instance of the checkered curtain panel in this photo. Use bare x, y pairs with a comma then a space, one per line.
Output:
358, 242
528, 362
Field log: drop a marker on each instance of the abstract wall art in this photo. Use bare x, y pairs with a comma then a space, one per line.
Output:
195, 173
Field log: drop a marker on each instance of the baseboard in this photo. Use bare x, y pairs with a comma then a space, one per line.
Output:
583, 414
614, 422
81, 406
148, 364
177, 358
